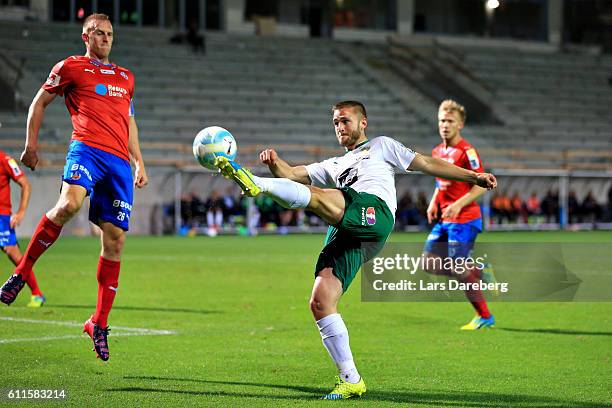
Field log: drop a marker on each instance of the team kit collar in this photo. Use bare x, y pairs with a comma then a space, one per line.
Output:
358, 146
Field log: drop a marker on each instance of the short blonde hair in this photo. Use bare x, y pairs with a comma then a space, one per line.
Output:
451, 106
93, 17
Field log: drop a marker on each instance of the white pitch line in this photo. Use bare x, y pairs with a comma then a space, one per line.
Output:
131, 331
72, 336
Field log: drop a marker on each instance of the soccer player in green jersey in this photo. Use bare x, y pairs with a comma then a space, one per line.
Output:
355, 194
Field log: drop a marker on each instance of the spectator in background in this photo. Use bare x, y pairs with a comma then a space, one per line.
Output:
407, 212
195, 39
550, 206
609, 209
519, 214
591, 209
501, 207
214, 213
533, 205
573, 208
422, 203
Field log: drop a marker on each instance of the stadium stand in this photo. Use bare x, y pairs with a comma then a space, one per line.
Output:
552, 104
265, 91
548, 110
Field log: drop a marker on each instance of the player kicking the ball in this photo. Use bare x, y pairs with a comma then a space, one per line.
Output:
340, 190
99, 98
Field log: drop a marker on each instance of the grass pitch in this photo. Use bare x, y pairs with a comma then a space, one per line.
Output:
244, 336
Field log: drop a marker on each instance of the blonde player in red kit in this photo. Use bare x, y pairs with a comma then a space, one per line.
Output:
98, 95
454, 206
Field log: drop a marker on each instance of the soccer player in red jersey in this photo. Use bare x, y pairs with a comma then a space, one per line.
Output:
454, 206
10, 170
98, 95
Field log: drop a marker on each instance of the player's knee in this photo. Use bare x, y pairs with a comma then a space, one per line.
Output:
320, 307
113, 243
314, 305
66, 209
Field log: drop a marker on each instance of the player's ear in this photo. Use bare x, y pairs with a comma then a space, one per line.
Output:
85, 37
364, 122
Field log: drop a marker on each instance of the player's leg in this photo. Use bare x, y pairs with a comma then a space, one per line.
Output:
461, 238
14, 254
113, 239
110, 208
46, 233
436, 249
328, 204
326, 293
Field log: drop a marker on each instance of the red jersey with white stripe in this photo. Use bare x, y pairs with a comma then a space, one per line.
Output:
9, 170
99, 99
462, 155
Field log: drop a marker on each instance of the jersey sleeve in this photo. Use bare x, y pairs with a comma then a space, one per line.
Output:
319, 176
473, 160
12, 168
132, 112
397, 154
58, 80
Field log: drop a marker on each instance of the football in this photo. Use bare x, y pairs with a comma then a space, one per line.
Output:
212, 142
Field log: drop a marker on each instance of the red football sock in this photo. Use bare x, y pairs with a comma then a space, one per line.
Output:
475, 296
108, 280
31, 281
46, 233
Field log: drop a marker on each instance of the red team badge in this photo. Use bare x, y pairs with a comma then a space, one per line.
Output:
371, 216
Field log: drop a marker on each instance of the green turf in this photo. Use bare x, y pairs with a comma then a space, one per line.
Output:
245, 336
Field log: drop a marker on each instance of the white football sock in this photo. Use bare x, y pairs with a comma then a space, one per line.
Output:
287, 193
336, 340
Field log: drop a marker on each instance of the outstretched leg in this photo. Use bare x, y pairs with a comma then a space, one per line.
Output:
329, 204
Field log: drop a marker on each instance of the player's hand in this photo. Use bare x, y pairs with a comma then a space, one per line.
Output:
451, 211
140, 176
29, 158
432, 213
16, 220
269, 157
486, 180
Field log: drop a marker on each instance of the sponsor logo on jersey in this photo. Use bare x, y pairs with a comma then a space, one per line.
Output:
473, 158
54, 79
122, 204
89, 70
110, 90
107, 71
78, 167
368, 216
371, 216
124, 75
15, 167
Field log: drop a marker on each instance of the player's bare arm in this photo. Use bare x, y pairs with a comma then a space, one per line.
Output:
455, 208
281, 168
140, 173
36, 114
432, 209
26, 189
445, 170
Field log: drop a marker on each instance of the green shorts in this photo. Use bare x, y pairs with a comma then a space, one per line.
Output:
361, 234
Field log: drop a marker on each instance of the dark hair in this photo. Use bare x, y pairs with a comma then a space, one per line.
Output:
350, 104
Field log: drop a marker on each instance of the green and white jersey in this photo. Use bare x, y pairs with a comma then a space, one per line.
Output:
369, 168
